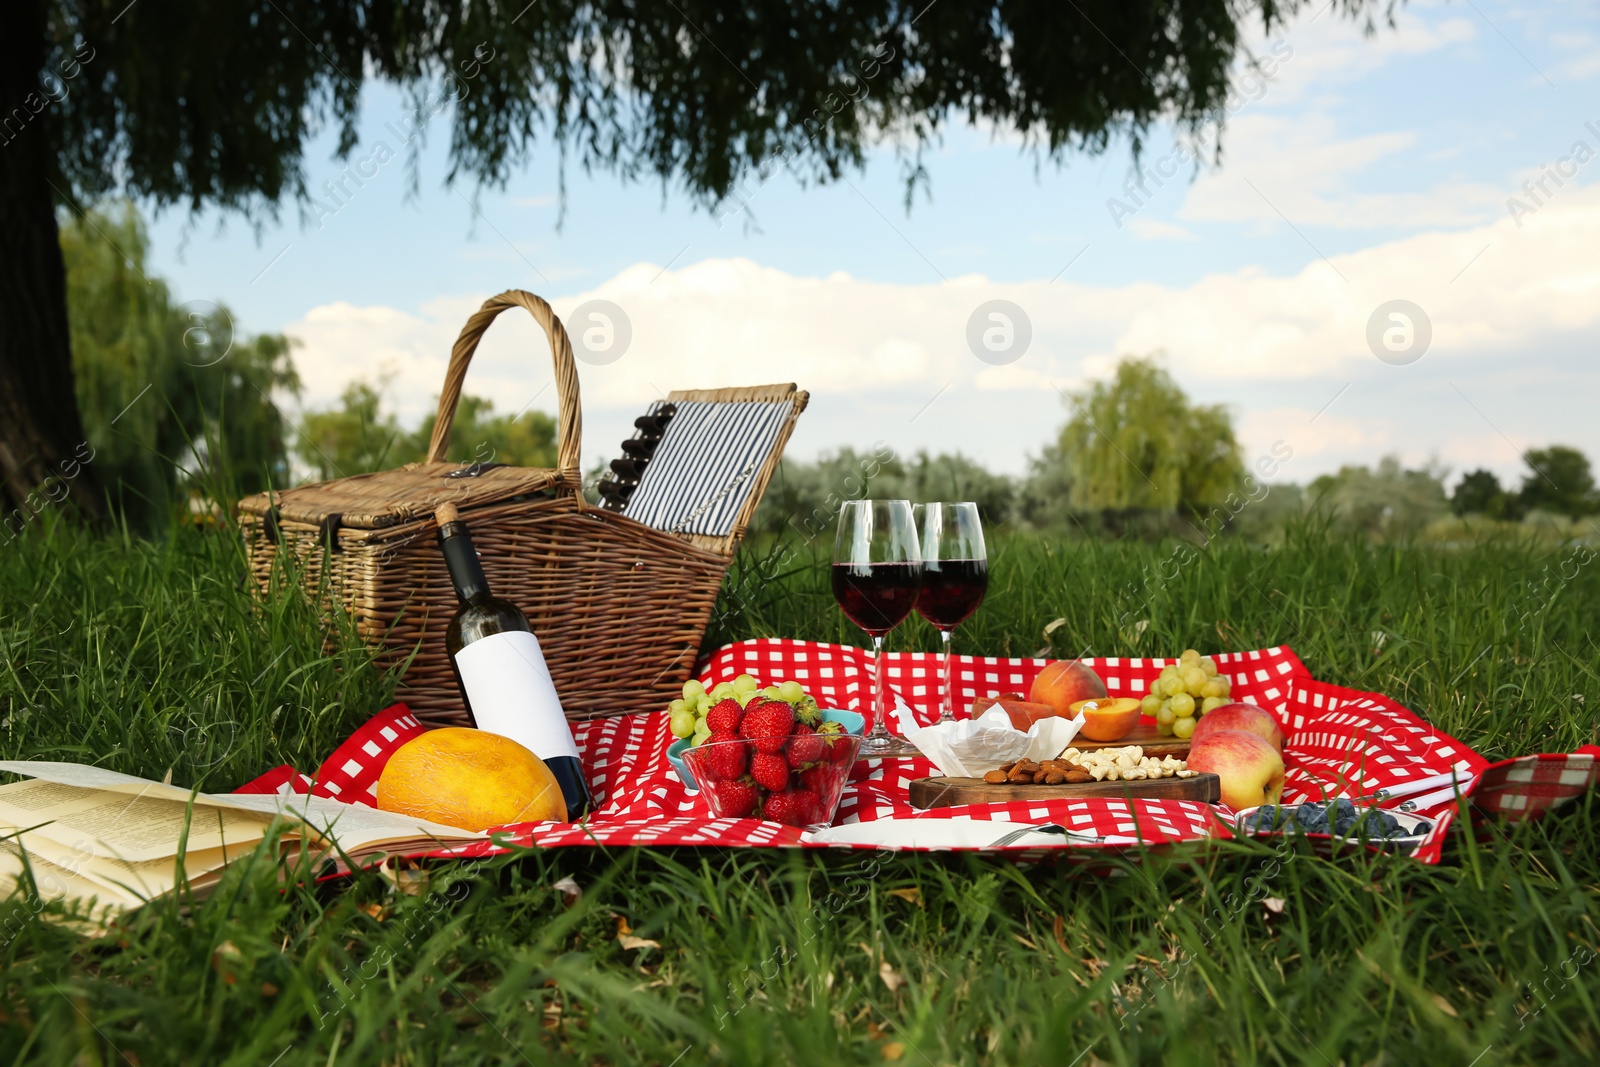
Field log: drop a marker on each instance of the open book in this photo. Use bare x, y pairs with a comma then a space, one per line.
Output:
113, 841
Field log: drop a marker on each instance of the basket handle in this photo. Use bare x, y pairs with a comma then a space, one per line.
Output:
570, 432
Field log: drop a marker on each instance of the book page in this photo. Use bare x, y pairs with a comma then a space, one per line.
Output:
128, 826
126, 880
56, 883
87, 777
83, 776
354, 826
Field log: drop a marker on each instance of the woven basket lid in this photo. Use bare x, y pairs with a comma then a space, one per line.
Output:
410, 494
396, 497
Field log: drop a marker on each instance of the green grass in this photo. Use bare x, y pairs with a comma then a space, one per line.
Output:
152, 656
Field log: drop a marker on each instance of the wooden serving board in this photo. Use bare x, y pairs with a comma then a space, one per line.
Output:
1145, 736
948, 792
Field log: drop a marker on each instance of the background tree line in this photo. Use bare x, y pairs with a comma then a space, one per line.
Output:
180, 407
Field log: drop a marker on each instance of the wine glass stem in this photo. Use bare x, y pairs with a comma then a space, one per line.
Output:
880, 727
948, 711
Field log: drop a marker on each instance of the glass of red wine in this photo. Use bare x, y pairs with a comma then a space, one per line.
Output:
955, 575
877, 570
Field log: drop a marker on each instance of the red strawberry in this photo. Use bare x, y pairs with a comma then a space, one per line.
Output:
725, 755
784, 808
736, 798
805, 746
838, 750
808, 805
819, 778
767, 724
795, 807
724, 716
770, 771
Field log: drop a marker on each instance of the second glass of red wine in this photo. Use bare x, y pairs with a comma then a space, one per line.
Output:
877, 571
955, 575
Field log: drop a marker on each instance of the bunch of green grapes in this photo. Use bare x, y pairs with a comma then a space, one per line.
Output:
688, 714
1185, 691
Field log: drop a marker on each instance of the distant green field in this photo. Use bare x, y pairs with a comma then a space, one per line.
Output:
147, 657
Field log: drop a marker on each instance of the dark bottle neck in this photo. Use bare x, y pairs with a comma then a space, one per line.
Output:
466, 572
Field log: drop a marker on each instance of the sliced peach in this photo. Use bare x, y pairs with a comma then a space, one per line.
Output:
1107, 719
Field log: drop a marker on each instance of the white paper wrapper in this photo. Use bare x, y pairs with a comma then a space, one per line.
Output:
970, 748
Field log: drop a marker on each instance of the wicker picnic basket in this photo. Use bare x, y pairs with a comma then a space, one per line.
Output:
620, 607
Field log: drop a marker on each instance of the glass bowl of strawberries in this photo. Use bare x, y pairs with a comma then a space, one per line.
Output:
770, 766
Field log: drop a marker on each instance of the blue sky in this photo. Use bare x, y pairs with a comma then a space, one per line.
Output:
1355, 171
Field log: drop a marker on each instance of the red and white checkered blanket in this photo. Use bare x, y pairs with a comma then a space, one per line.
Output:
1340, 742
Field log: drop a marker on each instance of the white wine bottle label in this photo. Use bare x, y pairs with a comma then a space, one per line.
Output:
511, 693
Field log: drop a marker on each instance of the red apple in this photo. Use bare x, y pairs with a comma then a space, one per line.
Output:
1064, 683
1108, 719
1250, 768
1239, 716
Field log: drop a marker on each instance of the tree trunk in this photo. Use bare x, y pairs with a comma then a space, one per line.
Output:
41, 433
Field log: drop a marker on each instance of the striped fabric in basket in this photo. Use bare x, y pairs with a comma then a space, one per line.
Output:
702, 470
1341, 742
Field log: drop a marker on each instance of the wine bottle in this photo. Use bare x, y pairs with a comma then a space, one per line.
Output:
500, 669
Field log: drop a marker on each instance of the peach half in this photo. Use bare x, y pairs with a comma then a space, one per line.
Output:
1107, 719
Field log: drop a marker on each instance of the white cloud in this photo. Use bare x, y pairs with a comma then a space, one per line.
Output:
1579, 68
1285, 155
1324, 48
1298, 168
1315, 434
876, 355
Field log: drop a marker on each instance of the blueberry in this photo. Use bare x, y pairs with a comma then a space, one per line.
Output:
1266, 817
1389, 826
1313, 817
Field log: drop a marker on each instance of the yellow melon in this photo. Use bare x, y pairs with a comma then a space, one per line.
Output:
471, 779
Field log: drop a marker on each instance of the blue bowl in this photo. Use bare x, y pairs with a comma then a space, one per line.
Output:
852, 722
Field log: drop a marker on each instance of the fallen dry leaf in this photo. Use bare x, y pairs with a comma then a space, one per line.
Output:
626, 939
569, 889
1444, 1005
224, 959
912, 895
893, 1050
890, 978
408, 880
1273, 904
